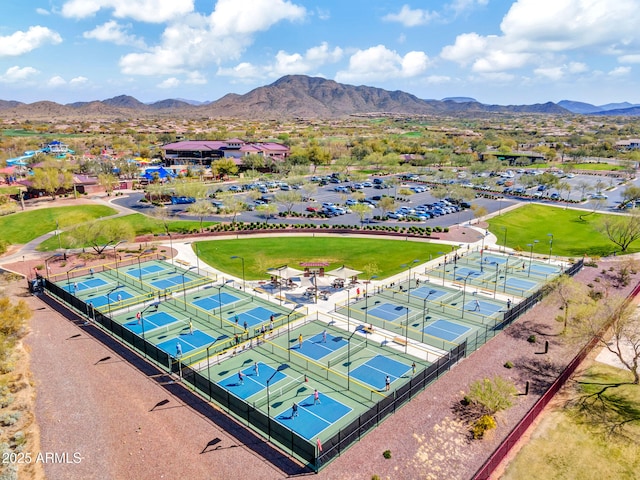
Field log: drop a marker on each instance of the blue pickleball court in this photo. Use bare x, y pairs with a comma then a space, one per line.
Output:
253, 317
313, 419
446, 330
171, 282
465, 272
433, 293
483, 307
317, 349
188, 341
146, 270
253, 383
388, 311
112, 298
151, 322
375, 370
214, 301
86, 284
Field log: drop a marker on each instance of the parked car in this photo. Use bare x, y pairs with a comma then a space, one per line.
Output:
312, 209
182, 200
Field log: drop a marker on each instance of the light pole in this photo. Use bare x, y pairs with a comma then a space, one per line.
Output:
197, 258
550, 235
409, 285
444, 267
349, 359
425, 311
243, 281
140, 269
531, 256
109, 297
184, 290
289, 328
155, 305
504, 245
115, 256
464, 292
482, 256
406, 331
366, 299
171, 247
279, 369
58, 234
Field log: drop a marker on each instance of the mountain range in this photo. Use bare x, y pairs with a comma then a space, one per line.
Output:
299, 96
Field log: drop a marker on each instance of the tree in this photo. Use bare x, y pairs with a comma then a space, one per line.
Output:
622, 230
224, 167
197, 190
108, 181
566, 291
386, 204
629, 195
318, 156
267, 210
288, 199
493, 395
584, 187
478, 211
12, 326
361, 210
51, 180
201, 209
99, 234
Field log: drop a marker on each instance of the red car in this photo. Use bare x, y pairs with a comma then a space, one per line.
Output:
313, 209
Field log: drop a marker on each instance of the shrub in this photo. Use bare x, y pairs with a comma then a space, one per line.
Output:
531, 339
508, 365
387, 454
484, 423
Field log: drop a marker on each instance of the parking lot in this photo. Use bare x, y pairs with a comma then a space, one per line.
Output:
334, 199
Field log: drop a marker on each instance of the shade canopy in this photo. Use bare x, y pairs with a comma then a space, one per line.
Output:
285, 272
344, 272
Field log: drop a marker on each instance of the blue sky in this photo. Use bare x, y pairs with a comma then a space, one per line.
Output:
497, 51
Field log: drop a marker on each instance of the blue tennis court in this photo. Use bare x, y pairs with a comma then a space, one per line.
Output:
493, 260
375, 370
538, 269
214, 301
520, 283
428, 291
253, 383
86, 284
313, 419
188, 342
146, 270
446, 330
253, 317
316, 348
483, 307
464, 272
151, 322
388, 311
113, 297
171, 282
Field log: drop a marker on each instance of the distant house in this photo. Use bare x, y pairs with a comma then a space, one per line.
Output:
204, 152
514, 158
631, 144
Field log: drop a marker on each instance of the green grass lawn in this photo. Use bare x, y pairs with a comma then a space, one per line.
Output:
572, 237
142, 225
262, 253
22, 227
573, 443
597, 166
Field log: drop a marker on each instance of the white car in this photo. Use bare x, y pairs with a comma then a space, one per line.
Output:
599, 196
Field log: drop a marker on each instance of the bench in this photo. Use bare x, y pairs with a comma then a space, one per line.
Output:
367, 329
260, 290
400, 341
183, 262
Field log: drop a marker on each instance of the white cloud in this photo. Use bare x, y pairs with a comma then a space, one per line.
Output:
460, 6
56, 81
169, 83
42, 11
437, 79
380, 63
539, 32
244, 70
113, 32
21, 42
150, 11
18, 74
634, 58
196, 78
620, 72
411, 18
78, 81
195, 40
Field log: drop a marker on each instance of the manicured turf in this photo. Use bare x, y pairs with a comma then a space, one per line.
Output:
572, 236
22, 227
141, 224
262, 253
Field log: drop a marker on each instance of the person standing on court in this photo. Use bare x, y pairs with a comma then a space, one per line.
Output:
300, 341
256, 369
508, 303
294, 410
139, 317
477, 307
324, 336
190, 327
178, 350
316, 397
119, 297
240, 377
387, 383
413, 368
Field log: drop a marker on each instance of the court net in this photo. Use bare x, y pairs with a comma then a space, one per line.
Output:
278, 391
345, 355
